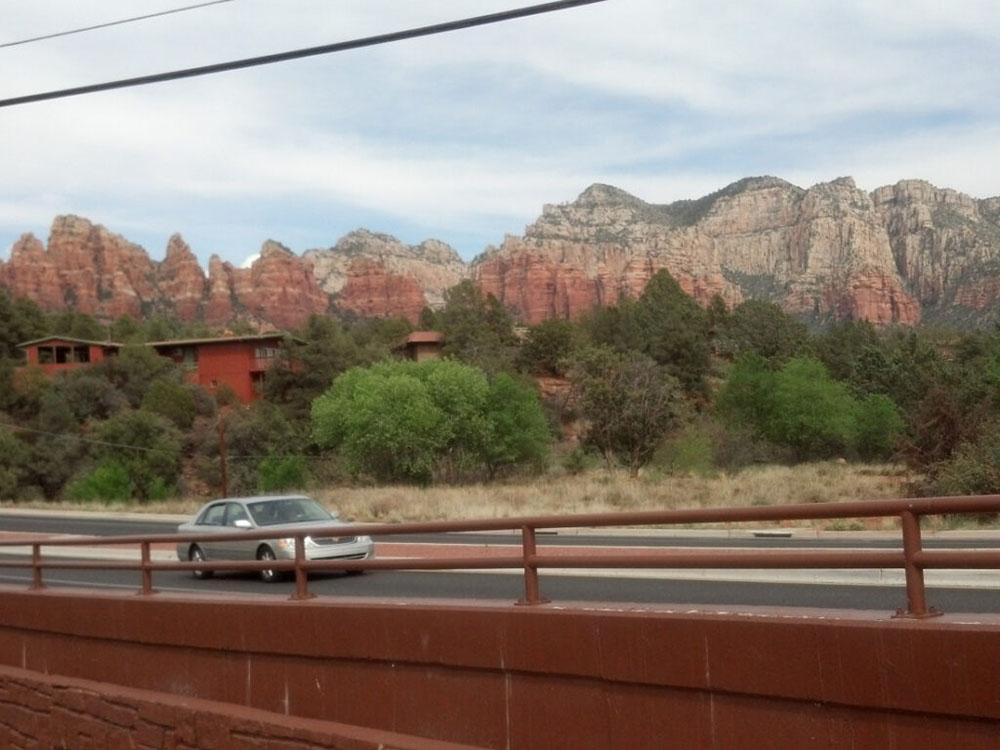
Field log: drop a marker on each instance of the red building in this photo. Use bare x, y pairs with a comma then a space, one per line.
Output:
421, 345
59, 353
238, 362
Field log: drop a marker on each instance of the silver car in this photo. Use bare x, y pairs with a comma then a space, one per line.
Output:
278, 513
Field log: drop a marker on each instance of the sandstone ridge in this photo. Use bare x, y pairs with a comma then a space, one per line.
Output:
899, 254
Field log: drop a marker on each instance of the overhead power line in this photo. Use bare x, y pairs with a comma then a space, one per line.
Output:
108, 24
250, 62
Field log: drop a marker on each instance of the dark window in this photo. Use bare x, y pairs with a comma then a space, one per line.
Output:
64, 354
46, 355
214, 515
81, 353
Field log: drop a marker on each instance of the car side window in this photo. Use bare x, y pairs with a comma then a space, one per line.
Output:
234, 513
213, 516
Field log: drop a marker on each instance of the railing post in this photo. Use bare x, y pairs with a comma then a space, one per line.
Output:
301, 575
36, 568
147, 574
528, 549
916, 594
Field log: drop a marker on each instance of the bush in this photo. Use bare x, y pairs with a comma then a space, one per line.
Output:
279, 473
407, 421
172, 400
801, 407
147, 446
108, 483
974, 469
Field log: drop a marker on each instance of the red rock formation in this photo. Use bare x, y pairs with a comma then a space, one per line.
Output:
372, 291
85, 267
280, 287
180, 280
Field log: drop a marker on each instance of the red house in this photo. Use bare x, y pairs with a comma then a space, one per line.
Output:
58, 353
238, 362
421, 345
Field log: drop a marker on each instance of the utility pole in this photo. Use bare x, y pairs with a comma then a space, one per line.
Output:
223, 469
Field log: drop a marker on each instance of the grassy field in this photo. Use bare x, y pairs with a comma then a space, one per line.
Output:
598, 491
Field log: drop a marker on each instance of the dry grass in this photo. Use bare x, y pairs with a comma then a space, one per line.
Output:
600, 492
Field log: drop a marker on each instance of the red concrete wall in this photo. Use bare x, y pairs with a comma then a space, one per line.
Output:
228, 363
42, 711
501, 676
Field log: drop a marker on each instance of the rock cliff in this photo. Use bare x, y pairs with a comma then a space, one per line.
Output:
823, 252
374, 274
832, 251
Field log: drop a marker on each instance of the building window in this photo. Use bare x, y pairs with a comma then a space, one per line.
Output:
46, 355
81, 354
266, 352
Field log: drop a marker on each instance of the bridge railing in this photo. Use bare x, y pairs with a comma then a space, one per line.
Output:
910, 557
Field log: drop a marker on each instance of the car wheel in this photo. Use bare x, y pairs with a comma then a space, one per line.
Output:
268, 575
196, 555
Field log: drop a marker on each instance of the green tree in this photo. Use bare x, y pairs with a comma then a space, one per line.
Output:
384, 422
20, 320
628, 402
172, 400
665, 324
764, 329
282, 473
973, 468
802, 407
548, 346
134, 370
879, 426
13, 464
407, 421
147, 445
517, 431
477, 329
107, 483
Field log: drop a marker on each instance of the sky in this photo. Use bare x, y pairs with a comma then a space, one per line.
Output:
464, 136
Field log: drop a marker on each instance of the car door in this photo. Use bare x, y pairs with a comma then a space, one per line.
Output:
212, 522
238, 549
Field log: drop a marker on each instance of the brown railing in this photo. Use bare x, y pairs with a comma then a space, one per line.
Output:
911, 557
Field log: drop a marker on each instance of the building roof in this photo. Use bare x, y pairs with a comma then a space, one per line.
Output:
425, 337
273, 336
69, 340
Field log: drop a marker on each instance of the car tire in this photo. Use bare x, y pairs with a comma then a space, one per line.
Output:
268, 575
196, 555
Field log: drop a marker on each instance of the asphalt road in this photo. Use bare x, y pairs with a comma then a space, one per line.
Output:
558, 588
112, 527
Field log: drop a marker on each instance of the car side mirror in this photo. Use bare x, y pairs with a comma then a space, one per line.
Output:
242, 523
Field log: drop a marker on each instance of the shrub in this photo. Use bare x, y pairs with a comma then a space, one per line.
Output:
172, 400
406, 421
108, 483
974, 469
279, 473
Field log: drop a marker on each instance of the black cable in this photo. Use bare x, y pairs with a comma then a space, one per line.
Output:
370, 41
113, 23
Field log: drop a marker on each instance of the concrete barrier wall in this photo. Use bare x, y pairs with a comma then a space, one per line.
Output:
45, 711
549, 677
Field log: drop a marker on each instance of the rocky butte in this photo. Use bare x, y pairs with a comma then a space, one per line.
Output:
899, 254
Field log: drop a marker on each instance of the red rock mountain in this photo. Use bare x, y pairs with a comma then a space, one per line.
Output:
896, 255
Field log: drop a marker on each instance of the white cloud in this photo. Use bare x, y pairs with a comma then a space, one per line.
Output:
479, 128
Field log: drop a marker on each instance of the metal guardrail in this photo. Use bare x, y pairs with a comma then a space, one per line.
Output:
912, 558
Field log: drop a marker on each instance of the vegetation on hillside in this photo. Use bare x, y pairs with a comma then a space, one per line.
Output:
656, 385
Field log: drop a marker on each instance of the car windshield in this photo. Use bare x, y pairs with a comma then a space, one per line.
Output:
287, 510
